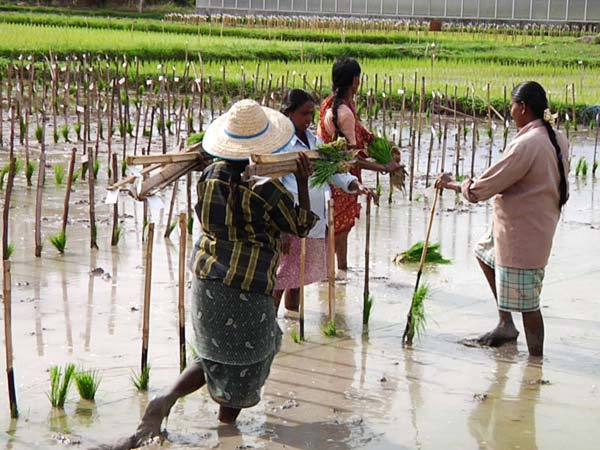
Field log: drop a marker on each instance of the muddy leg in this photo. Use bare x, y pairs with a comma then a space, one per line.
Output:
159, 407
341, 251
292, 299
228, 415
505, 331
534, 332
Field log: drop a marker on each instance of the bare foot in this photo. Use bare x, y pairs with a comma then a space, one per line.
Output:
157, 410
499, 335
228, 415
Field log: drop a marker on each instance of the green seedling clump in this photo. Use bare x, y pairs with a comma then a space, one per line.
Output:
195, 138
141, 380
87, 382
295, 336
60, 384
413, 255
330, 329
59, 174
59, 241
380, 150
418, 321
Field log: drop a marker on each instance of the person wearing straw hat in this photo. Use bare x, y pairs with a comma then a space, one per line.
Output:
530, 187
235, 263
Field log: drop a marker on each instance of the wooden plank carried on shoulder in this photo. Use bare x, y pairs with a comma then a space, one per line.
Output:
274, 165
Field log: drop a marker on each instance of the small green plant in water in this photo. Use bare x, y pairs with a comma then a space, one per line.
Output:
141, 380
10, 249
59, 174
55, 136
418, 319
117, 235
330, 329
77, 128
295, 336
94, 233
584, 168
29, 171
87, 382
59, 241
96, 167
60, 384
76, 175
368, 306
190, 225
39, 133
65, 133
594, 168
581, 168
171, 228
124, 168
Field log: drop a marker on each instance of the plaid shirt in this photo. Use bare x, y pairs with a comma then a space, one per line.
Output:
244, 255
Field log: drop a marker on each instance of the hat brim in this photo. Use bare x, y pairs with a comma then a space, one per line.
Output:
218, 143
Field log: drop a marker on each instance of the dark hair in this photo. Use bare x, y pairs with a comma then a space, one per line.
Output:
342, 76
534, 96
294, 99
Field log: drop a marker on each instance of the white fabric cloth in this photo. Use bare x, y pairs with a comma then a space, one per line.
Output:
318, 196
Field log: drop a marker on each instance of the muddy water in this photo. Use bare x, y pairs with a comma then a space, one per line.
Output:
356, 391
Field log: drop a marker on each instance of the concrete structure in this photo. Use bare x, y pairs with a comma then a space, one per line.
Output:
561, 11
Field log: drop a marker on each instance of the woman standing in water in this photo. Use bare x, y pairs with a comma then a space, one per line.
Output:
299, 106
338, 118
235, 263
530, 188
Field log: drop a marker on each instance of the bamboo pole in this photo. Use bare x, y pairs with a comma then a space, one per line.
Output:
331, 257
408, 335
366, 293
115, 226
473, 148
429, 152
171, 208
412, 166
301, 288
65, 217
91, 183
7, 292
181, 290
147, 290
38, 193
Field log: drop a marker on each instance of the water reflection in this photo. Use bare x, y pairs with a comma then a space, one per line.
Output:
502, 421
90, 302
65, 299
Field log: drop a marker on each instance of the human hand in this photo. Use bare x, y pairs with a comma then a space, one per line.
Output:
443, 181
304, 169
392, 166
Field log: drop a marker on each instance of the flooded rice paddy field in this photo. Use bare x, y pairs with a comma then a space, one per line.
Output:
355, 391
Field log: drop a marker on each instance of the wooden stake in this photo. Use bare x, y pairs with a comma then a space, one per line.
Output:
473, 148
331, 257
115, 228
408, 335
366, 293
65, 217
147, 289
431, 141
301, 288
412, 166
181, 291
38, 194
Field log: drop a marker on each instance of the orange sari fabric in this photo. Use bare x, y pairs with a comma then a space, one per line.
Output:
347, 208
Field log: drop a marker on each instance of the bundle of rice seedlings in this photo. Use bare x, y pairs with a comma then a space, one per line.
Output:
141, 380
581, 168
380, 149
59, 241
59, 174
190, 225
39, 133
87, 382
60, 384
170, 228
10, 249
334, 159
329, 329
418, 321
96, 168
368, 306
77, 128
413, 254
295, 336
76, 175
195, 138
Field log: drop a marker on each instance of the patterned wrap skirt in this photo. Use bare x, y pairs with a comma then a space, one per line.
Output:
315, 267
347, 208
237, 338
518, 290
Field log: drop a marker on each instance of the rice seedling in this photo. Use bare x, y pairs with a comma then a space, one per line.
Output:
335, 159
368, 308
59, 241
76, 175
77, 128
295, 336
594, 168
413, 255
87, 382
170, 228
55, 136
96, 167
59, 174
59, 384
65, 132
190, 225
29, 169
330, 329
195, 138
141, 380
124, 168
584, 168
117, 235
419, 319
10, 249
380, 149
581, 168
94, 233
39, 133
3, 174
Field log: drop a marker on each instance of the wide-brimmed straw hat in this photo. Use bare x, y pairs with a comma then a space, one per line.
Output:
246, 129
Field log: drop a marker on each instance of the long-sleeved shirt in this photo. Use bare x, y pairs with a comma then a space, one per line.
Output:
318, 195
526, 185
241, 243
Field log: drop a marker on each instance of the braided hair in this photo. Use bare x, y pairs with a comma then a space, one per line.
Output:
342, 75
534, 96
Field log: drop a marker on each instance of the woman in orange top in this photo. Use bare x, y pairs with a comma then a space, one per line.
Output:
338, 118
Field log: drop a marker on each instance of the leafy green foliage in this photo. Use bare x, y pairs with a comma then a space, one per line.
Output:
334, 159
59, 174
56, 136
582, 168
413, 254
77, 128
59, 384
87, 382
59, 241
142, 379
195, 138
418, 318
124, 168
330, 329
65, 132
76, 175
96, 167
295, 336
29, 171
39, 133
170, 228
10, 249
380, 150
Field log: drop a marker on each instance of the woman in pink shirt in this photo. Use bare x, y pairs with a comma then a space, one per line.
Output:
530, 188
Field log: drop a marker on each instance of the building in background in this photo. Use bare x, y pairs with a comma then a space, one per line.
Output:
561, 11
